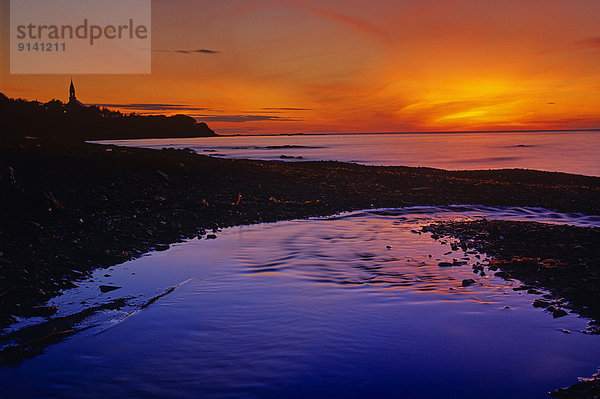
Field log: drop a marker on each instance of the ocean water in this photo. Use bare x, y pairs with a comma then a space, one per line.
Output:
571, 152
348, 306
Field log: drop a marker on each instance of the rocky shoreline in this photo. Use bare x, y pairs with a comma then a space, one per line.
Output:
565, 260
69, 208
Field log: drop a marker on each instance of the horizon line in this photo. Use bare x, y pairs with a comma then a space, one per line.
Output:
418, 132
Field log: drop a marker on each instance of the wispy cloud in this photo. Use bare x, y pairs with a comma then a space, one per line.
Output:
276, 110
455, 106
583, 121
286, 109
353, 22
154, 107
243, 118
590, 42
210, 115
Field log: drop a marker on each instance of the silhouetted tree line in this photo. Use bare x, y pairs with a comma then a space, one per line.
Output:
59, 121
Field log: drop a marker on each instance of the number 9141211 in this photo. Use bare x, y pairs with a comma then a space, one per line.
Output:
42, 47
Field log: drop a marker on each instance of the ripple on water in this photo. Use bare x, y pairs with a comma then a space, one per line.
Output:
350, 305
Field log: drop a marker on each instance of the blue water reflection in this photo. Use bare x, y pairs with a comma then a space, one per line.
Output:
348, 306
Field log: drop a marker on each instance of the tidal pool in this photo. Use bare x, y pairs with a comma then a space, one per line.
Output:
353, 305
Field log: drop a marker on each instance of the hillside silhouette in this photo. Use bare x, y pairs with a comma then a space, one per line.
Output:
55, 120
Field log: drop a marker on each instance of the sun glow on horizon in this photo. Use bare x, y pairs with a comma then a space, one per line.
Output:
308, 66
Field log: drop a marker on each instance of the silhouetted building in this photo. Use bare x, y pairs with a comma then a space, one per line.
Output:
73, 102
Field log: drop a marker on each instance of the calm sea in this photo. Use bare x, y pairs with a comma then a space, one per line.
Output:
571, 152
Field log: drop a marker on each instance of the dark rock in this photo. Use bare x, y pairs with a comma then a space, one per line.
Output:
534, 292
559, 313
540, 303
108, 288
445, 264
41, 311
522, 288
467, 282
586, 388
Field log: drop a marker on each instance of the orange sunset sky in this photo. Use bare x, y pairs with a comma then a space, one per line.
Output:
355, 66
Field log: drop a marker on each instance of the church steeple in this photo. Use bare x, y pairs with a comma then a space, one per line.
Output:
73, 102
72, 92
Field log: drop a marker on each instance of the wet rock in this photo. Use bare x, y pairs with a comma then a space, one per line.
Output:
40, 311
559, 313
503, 275
534, 292
211, 236
467, 282
540, 303
522, 288
108, 288
586, 388
478, 269
445, 264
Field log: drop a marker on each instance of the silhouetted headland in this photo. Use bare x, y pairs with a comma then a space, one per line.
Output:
55, 120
